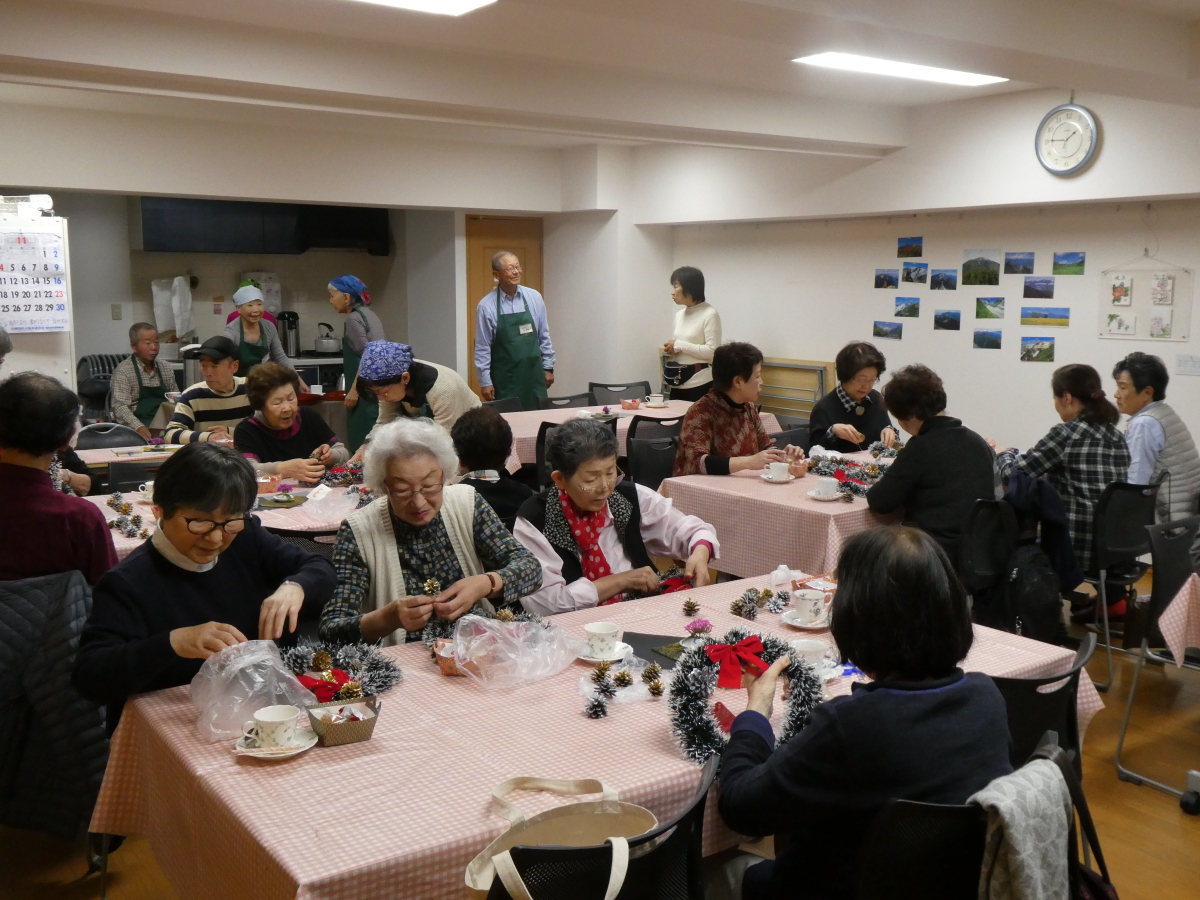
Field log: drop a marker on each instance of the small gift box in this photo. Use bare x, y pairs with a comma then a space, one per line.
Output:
344, 722
443, 649
630, 404
268, 485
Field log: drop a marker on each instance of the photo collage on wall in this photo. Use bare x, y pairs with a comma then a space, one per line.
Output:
1142, 303
980, 273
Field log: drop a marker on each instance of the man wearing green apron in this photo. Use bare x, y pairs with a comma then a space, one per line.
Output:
139, 384
513, 353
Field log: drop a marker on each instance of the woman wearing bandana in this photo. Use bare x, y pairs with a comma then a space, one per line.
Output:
348, 295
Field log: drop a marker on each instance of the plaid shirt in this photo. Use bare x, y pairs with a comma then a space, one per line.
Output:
1080, 459
849, 402
425, 552
124, 385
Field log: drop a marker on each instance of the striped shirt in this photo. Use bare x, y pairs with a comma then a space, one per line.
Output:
202, 408
125, 390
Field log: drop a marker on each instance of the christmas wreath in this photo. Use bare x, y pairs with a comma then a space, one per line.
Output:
437, 628
854, 478
880, 450
343, 671
714, 663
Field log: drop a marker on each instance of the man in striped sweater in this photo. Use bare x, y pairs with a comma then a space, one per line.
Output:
210, 410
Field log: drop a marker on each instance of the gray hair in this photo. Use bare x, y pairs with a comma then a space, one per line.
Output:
5, 343
407, 439
578, 441
136, 329
499, 256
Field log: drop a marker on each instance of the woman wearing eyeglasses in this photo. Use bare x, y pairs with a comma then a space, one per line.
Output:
209, 578
852, 416
423, 548
594, 532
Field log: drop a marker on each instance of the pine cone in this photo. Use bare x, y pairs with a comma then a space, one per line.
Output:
432, 587
125, 509
606, 688
873, 471
322, 661
651, 672
656, 688
596, 708
690, 607
144, 534
623, 679
351, 690
505, 615
601, 671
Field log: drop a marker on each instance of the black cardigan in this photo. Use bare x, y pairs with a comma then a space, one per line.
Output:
936, 742
937, 478
828, 411
504, 496
126, 647
250, 437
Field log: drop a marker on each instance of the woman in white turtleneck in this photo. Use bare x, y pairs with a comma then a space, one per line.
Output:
697, 334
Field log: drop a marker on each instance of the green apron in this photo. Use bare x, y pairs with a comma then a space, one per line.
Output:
250, 355
361, 419
517, 357
149, 398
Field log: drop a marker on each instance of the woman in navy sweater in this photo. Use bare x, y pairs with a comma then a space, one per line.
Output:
209, 578
921, 730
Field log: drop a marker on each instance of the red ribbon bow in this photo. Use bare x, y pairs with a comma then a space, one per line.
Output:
732, 657
842, 476
325, 690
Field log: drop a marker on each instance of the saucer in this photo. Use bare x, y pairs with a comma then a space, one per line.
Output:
618, 653
305, 738
825, 498
655, 405
789, 618
769, 480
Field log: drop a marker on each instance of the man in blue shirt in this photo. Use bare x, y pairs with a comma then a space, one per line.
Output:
513, 353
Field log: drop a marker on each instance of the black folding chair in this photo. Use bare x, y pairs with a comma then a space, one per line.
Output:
1121, 516
791, 423
306, 540
128, 476
1171, 545
664, 864
108, 436
650, 427
543, 467
989, 538
651, 460
585, 399
1032, 713
608, 394
917, 851
507, 405
797, 437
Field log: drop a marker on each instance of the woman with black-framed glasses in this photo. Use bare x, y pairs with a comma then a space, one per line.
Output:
594, 532
210, 577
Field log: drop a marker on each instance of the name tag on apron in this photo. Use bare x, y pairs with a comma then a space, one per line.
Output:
527, 328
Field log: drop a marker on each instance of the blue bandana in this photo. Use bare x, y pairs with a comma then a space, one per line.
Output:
348, 284
383, 360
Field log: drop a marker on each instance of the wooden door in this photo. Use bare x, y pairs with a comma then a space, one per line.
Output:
486, 235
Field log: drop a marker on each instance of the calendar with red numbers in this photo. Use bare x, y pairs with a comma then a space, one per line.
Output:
35, 287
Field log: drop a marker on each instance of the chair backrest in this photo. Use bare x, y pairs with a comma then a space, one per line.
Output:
1171, 548
664, 864
543, 470
791, 423
651, 460
507, 405
607, 394
306, 540
650, 427
108, 436
989, 538
1032, 712
1122, 514
797, 437
126, 476
585, 399
916, 851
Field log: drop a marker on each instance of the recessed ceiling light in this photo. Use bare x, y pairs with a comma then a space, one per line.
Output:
441, 7
852, 62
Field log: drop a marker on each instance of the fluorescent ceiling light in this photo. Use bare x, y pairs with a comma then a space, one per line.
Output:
441, 7
852, 62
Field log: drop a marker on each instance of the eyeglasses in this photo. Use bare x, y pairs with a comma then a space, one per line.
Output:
515, 267
859, 381
597, 484
427, 491
206, 526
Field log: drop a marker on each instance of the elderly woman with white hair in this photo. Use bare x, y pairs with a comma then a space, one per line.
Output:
420, 531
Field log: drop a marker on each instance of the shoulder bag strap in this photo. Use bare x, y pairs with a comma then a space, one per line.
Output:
515, 885
1058, 756
506, 810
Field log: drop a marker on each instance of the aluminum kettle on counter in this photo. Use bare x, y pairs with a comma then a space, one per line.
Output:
326, 342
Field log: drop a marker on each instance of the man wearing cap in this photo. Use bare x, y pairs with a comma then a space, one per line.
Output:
140, 383
254, 338
210, 410
405, 386
513, 353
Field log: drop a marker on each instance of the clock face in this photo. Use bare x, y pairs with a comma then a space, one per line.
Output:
1066, 139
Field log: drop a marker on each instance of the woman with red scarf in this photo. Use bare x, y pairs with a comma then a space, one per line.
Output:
594, 533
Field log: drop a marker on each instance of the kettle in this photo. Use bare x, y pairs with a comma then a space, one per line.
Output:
288, 323
326, 342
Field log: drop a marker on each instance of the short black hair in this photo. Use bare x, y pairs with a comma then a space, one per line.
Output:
736, 359
207, 477
37, 414
690, 281
482, 439
5, 343
1145, 371
578, 441
900, 610
856, 356
915, 392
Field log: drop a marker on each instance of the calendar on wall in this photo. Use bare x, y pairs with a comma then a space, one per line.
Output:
35, 283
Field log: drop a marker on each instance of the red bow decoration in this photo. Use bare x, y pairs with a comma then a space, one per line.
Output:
671, 585
325, 690
732, 657
842, 476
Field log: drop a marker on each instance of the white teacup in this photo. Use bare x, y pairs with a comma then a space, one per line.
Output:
273, 727
810, 605
816, 653
654, 399
601, 639
778, 471
147, 490
827, 486
317, 389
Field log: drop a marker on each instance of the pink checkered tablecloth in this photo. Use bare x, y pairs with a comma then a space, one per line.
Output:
525, 425
400, 816
1180, 622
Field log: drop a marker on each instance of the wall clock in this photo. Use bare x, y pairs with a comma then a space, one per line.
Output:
1066, 140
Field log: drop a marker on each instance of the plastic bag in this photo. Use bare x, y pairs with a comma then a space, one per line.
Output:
505, 654
330, 504
240, 679
634, 693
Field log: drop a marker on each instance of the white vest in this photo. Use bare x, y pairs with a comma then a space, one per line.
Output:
372, 527
1179, 458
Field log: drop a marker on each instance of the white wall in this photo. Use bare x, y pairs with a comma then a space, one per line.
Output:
436, 265
802, 290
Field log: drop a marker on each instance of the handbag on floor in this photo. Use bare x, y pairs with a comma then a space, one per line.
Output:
585, 824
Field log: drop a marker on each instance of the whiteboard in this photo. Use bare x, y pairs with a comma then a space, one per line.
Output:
35, 284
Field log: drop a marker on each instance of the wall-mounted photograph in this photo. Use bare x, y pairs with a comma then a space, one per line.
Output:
1039, 287
987, 340
1050, 316
910, 246
908, 307
943, 280
1037, 349
989, 307
1018, 263
887, 278
947, 320
1070, 263
915, 273
889, 331
981, 267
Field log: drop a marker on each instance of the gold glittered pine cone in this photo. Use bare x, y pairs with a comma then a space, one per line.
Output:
601, 671
322, 661
690, 607
651, 672
432, 587
505, 615
351, 690
125, 509
873, 470
656, 688
623, 679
